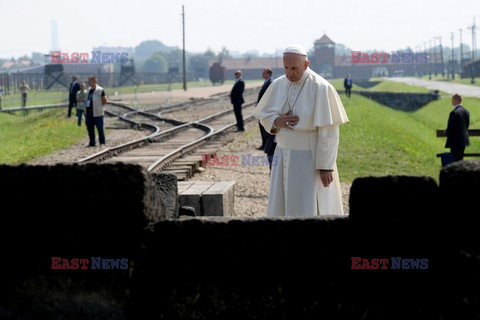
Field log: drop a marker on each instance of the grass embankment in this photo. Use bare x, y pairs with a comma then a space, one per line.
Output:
382, 141
23, 138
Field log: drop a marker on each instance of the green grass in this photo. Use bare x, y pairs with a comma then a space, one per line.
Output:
390, 86
34, 98
61, 96
24, 138
382, 141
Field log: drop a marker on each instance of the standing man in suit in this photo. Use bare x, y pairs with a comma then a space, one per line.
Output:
236, 97
72, 95
348, 83
457, 129
267, 76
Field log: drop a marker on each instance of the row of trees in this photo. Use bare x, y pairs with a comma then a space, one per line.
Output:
153, 56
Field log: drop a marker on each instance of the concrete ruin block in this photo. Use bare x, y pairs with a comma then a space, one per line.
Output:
191, 196
72, 211
184, 185
393, 197
168, 192
459, 189
218, 200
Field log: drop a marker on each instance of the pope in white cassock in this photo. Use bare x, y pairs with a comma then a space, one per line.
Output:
304, 111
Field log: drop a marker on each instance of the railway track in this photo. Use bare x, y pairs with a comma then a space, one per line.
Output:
220, 124
171, 141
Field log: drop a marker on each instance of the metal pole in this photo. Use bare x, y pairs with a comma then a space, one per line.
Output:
472, 67
184, 64
441, 57
474, 48
453, 61
435, 56
425, 52
431, 61
461, 54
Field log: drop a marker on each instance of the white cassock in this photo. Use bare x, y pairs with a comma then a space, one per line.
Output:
296, 189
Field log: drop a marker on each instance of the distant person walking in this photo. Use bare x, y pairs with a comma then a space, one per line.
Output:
24, 91
96, 99
457, 129
348, 83
236, 97
72, 95
267, 76
81, 99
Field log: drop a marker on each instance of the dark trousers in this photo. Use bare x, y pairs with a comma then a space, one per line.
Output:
264, 135
348, 91
79, 116
71, 102
24, 99
457, 153
270, 147
270, 156
237, 108
91, 123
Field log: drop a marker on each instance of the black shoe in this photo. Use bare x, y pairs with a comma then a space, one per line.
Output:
240, 130
261, 148
89, 146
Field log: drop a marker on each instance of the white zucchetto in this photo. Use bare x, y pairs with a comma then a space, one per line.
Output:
296, 49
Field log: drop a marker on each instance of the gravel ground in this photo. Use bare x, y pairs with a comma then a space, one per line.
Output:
251, 189
196, 113
78, 151
176, 96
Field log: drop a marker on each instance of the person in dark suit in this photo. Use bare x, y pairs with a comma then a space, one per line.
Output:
72, 95
236, 97
348, 83
457, 129
267, 75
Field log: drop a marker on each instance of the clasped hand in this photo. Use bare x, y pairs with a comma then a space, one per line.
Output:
286, 121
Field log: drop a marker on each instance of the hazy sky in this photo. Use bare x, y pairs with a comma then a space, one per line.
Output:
240, 25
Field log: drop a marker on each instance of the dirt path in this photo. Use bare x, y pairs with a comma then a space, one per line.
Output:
451, 88
177, 95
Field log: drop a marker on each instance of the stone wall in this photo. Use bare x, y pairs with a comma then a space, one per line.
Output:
71, 211
404, 101
220, 268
